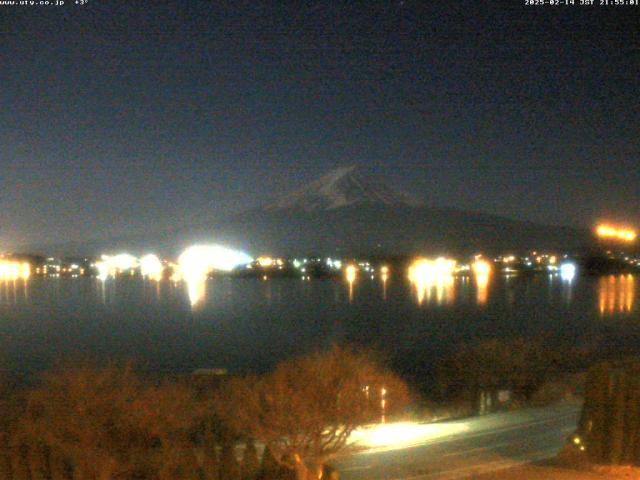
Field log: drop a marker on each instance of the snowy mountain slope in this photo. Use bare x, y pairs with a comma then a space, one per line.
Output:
345, 186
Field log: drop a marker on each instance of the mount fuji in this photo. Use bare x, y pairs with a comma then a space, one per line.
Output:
349, 212
343, 187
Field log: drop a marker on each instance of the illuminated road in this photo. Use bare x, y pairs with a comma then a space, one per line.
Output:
462, 448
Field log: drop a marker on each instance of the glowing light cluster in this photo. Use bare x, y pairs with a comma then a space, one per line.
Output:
14, 270
196, 262
113, 265
265, 261
269, 262
384, 276
332, 263
123, 262
613, 233
401, 435
427, 275
351, 273
427, 268
151, 267
567, 271
104, 269
200, 260
481, 267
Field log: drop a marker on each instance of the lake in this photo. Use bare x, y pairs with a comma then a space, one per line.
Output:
250, 324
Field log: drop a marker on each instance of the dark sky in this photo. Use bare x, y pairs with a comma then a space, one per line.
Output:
136, 116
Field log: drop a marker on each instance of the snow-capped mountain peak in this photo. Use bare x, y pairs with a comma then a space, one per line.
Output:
342, 187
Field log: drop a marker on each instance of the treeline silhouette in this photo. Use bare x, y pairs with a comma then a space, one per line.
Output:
110, 422
609, 426
92, 422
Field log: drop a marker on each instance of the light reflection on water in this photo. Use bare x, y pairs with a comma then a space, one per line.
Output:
482, 288
616, 294
226, 322
438, 291
433, 280
196, 290
384, 278
14, 291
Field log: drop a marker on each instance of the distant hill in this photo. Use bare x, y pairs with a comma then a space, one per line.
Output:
349, 212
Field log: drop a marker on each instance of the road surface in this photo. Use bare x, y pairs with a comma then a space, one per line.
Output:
460, 449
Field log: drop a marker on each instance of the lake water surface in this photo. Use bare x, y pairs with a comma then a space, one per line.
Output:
250, 324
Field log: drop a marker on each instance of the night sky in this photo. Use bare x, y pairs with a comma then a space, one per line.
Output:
132, 117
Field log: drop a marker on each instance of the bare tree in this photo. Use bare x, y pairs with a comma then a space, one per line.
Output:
170, 414
306, 409
105, 423
78, 414
519, 364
